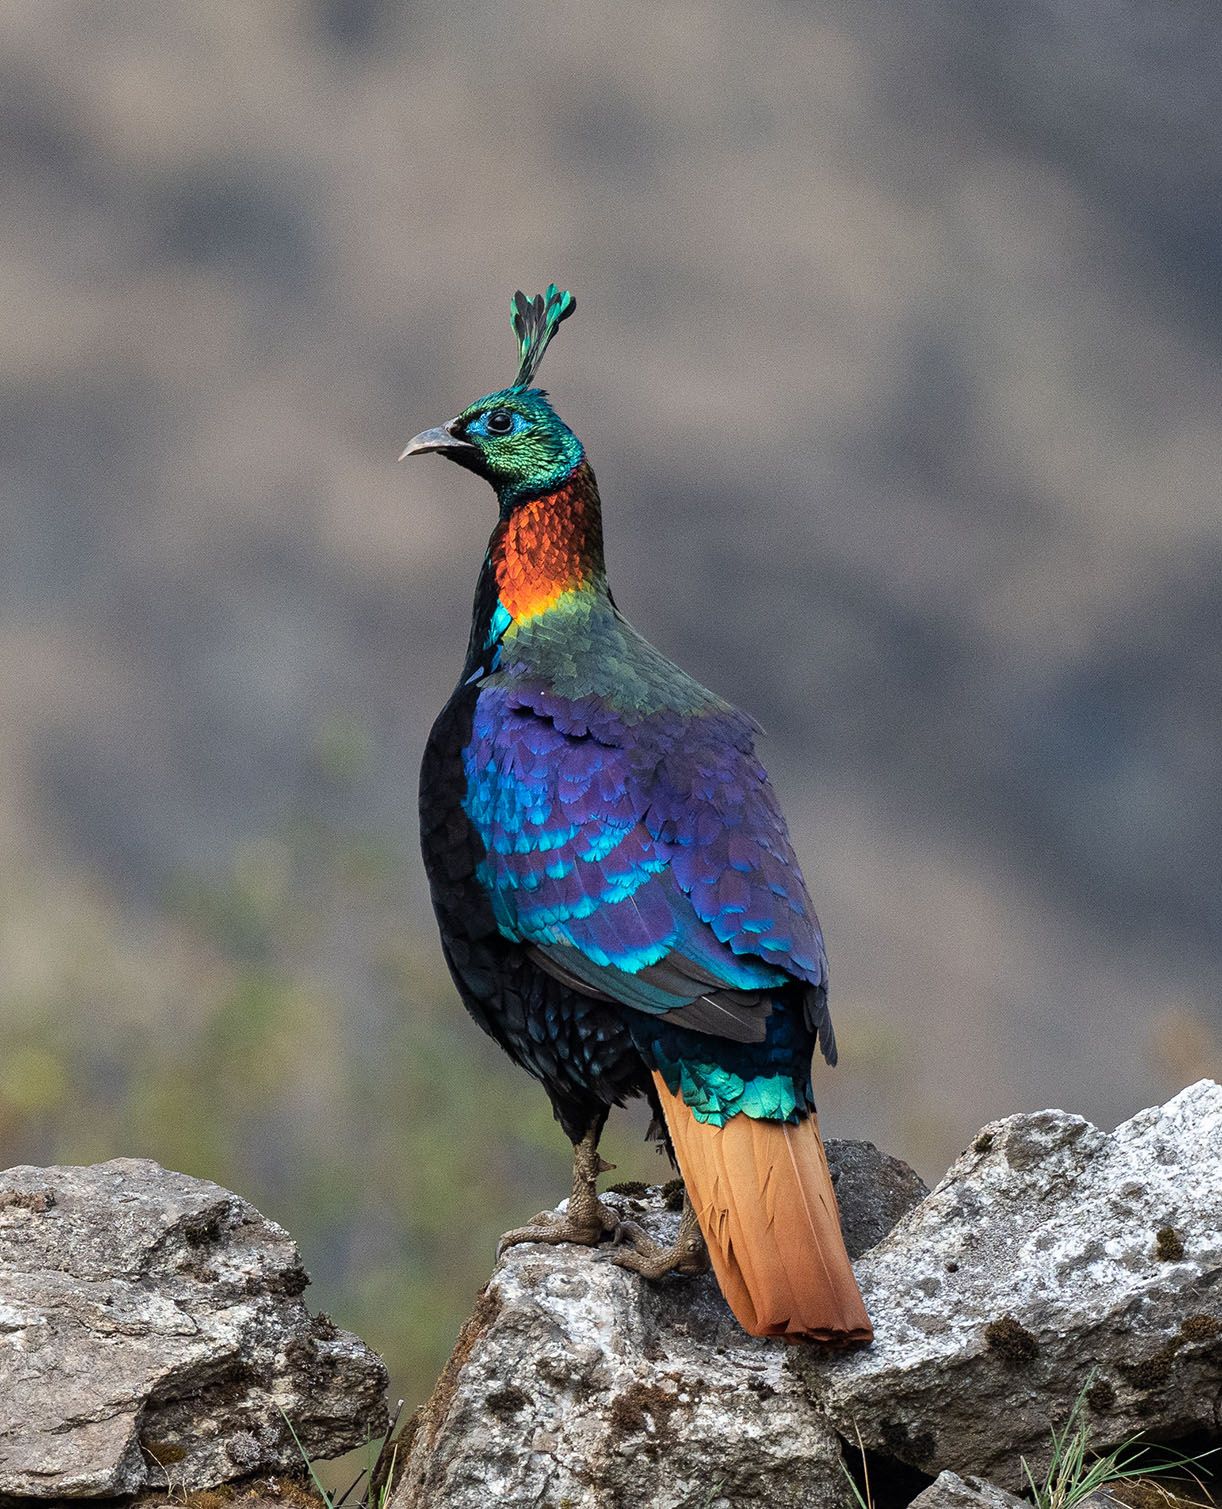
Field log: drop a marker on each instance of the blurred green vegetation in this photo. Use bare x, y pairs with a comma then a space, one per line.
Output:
277, 1030
275, 1026
972, 545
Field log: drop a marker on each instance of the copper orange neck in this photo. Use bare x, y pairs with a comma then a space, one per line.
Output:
548, 547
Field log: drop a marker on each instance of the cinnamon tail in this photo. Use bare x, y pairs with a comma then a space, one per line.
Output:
763, 1195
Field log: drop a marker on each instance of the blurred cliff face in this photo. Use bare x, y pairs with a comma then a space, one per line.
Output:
897, 356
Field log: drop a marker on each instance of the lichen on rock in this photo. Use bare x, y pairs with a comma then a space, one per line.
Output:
576, 1382
1031, 1273
152, 1331
1052, 1258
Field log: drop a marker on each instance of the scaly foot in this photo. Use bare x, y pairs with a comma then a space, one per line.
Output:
643, 1255
587, 1220
547, 1226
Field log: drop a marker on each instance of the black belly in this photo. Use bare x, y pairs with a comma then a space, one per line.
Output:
578, 1048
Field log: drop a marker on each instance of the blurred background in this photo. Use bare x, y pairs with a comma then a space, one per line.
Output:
898, 356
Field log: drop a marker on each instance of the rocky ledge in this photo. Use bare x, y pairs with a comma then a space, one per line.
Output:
153, 1336
576, 1383
154, 1341
1052, 1258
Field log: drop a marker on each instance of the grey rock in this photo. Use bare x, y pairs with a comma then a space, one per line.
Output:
577, 1383
873, 1191
1049, 1253
949, 1491
151, 1330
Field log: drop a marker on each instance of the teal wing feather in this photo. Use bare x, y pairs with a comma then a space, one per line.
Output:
641, 857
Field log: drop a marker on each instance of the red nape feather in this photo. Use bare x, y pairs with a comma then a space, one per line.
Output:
764, 1198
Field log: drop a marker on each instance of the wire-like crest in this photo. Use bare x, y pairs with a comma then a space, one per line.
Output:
534, 323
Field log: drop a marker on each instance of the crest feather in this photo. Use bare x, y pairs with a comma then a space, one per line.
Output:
534, 323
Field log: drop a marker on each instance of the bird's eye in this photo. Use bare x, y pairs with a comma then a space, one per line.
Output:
499, 422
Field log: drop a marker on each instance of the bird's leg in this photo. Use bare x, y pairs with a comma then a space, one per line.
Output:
640, 1253
587, 1220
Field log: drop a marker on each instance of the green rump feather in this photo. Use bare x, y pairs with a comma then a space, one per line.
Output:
535, 321
714, 1094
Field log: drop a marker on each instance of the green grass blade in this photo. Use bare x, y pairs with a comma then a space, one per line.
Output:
326, 1497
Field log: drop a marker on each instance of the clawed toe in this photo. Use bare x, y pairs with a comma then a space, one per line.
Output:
628, 1232
654, 1262
536, 1230
585, 1230
639, 1253
587, 1222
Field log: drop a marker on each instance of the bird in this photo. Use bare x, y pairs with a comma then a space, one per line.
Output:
618, 899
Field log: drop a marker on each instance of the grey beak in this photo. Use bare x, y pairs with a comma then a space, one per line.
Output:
442, 438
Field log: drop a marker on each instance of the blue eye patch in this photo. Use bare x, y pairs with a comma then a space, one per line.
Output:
497, 424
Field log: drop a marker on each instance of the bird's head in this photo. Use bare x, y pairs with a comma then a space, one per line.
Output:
514, 438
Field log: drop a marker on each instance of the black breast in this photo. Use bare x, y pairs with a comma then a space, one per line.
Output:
579, 1048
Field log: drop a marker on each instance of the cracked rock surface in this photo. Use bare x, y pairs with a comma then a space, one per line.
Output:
578, 1384
1052, 1256
151, 1330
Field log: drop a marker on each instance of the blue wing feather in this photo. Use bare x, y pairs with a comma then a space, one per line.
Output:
650, 863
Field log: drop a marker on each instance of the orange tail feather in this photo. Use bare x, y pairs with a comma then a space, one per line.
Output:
763, 1195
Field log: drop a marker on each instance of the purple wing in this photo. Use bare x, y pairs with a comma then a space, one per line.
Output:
648, 864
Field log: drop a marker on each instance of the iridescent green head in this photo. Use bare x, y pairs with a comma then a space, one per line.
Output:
514, 438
